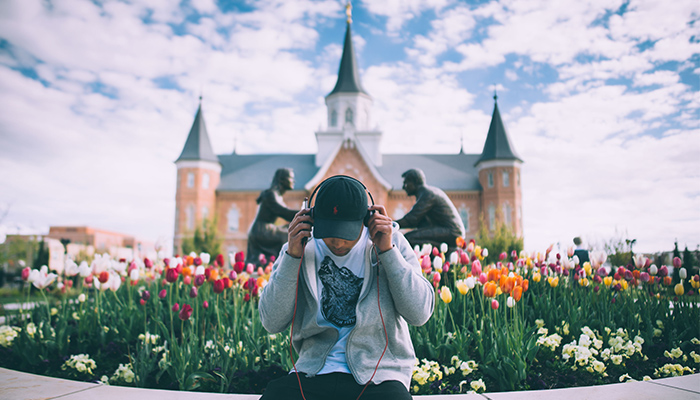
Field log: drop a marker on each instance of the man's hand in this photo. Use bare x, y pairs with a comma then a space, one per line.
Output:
299, 232
380, 227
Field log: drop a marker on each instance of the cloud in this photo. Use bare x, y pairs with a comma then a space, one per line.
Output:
398, 12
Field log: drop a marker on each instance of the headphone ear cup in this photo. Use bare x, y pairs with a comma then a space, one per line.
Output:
367, 217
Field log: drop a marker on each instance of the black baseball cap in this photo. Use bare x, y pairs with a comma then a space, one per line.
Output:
340, 208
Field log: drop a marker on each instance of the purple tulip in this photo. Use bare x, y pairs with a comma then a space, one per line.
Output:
193, 292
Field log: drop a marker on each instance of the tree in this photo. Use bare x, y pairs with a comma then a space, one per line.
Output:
204, 240
42, 255
501, 239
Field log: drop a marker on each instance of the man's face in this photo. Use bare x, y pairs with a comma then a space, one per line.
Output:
341, 247
288, 182
409, 187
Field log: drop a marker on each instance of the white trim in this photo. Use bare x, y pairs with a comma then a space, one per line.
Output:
214, 166
498, 163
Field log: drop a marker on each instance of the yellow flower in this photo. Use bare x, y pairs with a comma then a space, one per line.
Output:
583, 282
608, 280
553, 281
679, 289
536, 277
477, 251
624, 284
462, 287
445, 294
587, 268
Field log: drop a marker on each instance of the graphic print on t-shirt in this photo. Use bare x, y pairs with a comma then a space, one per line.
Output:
341, 289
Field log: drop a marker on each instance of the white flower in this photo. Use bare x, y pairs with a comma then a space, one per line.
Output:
443, 248
84, 269
478, 385
71, 268
81, 297
437, 264
683, 273
471, 282
134, 274
454, 258
510, 302
205, 258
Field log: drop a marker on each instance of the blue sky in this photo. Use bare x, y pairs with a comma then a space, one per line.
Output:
600, 99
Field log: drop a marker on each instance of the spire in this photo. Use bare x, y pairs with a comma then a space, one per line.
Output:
497, 146
198, 146
348, 76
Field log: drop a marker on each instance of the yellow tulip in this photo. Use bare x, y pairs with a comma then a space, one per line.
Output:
608, 280
587, 268
445, 294
553, 282
536, 277
624, 284
462, 287
679, 289
583, 282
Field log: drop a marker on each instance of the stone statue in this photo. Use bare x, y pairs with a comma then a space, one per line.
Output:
264, 237
434, 217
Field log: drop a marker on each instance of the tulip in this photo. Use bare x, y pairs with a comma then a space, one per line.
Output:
683, 273
628, 275
171, 275
470, 282
678, 289
644, 276
219, 260
238, 266
443, 248
476, 268
502, 256
185, 312
218, 286
228, 283
490, 289
668, 280
436, 279
471, 246
510, 302
175, 307
653, 270
250, 268
437, 263
446, 295
435, 251
596, 288
676, 262
463, 258
607, 280
485, 253
25, 273
517, 293
197, 261
536, 277
103, 277
162, 294
187, 280
663, 271
454, 258
233, 275
482, 278
205, 304
142, 302
460, 242
193, 292
494, 304
639, 261
199, 280
146, 295
553, 281
462, 287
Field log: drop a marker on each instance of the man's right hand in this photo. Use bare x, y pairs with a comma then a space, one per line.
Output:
299, 232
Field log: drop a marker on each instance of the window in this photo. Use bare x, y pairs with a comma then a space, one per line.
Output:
464, 214
205, 212
233, 217
189, 217
490, 178
190, 179
349, 116
492, 217
518, 178
177, 219
205, 181
507, 211
506, 179
334, 118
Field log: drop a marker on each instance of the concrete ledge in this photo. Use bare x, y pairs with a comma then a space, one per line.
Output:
22, 386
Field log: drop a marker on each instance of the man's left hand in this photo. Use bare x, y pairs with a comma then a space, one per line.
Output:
380, 228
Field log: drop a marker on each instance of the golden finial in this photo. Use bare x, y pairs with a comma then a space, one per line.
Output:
348, 12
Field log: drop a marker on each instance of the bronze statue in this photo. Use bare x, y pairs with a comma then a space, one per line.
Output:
434, 216
264, 237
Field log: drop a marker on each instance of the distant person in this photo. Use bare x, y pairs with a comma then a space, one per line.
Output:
580, 252
434, 217
264, 236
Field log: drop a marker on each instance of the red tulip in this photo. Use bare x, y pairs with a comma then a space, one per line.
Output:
239, 257
219, 260
436, 252
171, 275
147, 263
143, 302
103, 277
246, 297
185, 312
166, 261
175, 307
199, 280
463, 258
218, 286
238, 266
197, 261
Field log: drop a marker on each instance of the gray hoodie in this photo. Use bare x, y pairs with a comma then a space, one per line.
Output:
405, 295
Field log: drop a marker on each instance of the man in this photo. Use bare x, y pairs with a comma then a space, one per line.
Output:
344, 270
264, 236
580, 252
434, 216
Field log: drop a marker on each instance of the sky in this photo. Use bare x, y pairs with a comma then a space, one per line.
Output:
600, 98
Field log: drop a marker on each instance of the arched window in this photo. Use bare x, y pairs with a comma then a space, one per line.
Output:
190, 179
189, 217
506, 179
490, 178
334, 117
233, 217
205, 181
464, 214
349, 116
492, 217
507, 213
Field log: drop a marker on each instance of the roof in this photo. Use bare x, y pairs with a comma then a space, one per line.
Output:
497, 145
254, 172
198, 147
348, 75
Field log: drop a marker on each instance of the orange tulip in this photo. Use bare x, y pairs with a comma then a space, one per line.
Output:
517, 293
460, 242
494, 274
668, 280
187, 271
526, 285
490, 289
214, 275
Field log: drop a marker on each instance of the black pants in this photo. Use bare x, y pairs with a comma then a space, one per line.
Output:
335, 386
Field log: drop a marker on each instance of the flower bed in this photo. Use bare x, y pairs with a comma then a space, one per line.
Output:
529, 321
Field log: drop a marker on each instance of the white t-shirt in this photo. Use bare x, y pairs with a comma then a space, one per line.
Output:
339, 283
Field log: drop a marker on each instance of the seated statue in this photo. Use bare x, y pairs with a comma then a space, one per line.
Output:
264, 236
434, 217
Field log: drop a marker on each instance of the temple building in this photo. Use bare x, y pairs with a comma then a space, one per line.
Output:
483, 187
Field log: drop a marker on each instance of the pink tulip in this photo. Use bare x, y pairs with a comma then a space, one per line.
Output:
502, 256
250, 268
187, 280
162, 294
176, 307
483, 278
644, 276
463, 258
205, 304
476, 268
425, 264
494, 304
25, 273
199, 280
663, 271
436, 279
142, 302
193, 292
233, 275
602, 272
186, 312
676, 262
514, 255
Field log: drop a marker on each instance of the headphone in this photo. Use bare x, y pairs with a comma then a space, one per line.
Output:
365, 221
